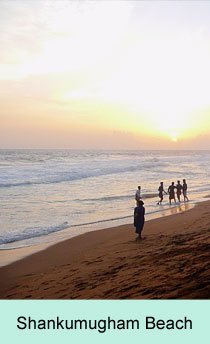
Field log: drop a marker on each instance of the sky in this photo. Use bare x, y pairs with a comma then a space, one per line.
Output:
105, 75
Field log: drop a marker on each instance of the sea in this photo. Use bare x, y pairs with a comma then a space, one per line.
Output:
47, 196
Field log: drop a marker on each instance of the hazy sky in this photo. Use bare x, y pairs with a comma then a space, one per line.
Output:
112, 74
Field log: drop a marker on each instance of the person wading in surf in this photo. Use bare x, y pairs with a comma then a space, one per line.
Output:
161, 191
171, 192
138, 194
178, 190
184, 188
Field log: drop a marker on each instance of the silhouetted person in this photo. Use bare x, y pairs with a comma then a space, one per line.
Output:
179, 190
138, 194
171, 192
161, 191
184, 188
139, 213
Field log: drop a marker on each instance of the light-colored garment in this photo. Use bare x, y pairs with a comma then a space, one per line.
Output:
138, 195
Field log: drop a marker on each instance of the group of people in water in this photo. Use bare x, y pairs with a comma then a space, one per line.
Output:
173, 191
180, 188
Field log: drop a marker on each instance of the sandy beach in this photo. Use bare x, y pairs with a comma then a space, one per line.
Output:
172, 262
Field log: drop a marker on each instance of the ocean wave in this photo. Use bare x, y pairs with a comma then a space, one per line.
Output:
159, 210
150, 195
9, 185
201, 188
116, 198
30, 233
102, 221
77, 174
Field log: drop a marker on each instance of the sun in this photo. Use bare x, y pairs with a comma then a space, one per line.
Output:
169, 124
174, 135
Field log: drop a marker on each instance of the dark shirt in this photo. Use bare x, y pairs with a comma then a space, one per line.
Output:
171, 190
160, 189
179, 188
184, 187
139, 213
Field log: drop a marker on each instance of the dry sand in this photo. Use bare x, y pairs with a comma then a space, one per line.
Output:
172, 262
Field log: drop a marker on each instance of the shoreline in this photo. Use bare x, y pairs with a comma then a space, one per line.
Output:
110, 264
19, 253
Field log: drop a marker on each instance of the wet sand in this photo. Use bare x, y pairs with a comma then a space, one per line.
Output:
173, 261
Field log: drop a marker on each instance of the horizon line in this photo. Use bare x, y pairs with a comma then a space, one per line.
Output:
111, 149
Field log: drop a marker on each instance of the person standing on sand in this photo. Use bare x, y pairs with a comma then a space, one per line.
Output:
184, 188
138, 194
139, 213
161, 191
171, 192
178, 190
